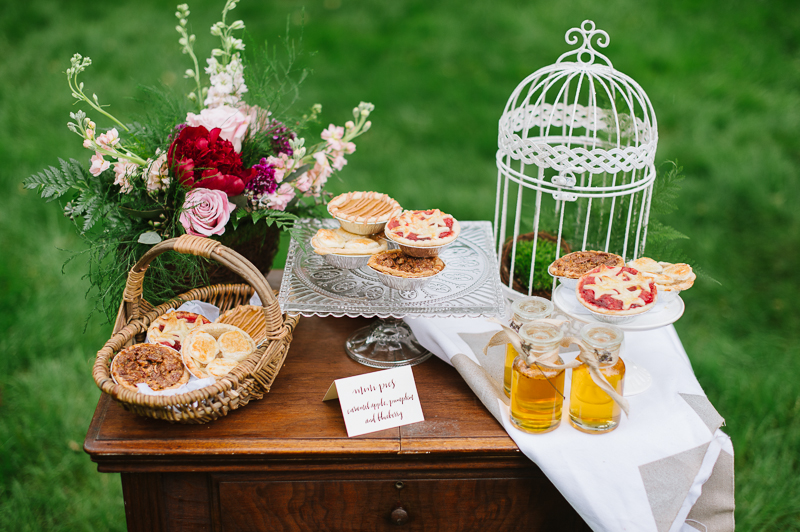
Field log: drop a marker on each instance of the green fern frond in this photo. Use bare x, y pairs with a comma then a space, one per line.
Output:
54, 182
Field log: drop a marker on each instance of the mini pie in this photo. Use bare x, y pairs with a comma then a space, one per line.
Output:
341, 242
667, 276
573, 265
171, 328
363, 207
158, 366
396, 263
616, 291
228, 343
429, 228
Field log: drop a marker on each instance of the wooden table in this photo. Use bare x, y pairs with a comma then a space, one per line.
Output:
285, 462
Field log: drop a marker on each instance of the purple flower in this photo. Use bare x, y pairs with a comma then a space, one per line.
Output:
264, 181
280, 135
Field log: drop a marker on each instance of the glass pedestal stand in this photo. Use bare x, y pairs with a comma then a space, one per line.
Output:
387, 343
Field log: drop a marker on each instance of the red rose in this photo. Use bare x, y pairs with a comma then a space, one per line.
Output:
201, 159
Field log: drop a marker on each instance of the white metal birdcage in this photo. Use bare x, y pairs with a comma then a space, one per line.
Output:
577, 139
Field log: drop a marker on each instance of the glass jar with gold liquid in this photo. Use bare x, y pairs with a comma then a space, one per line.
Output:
537, 392
523, 311
591, 409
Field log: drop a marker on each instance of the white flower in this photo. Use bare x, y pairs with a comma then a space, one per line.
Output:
227, 82
122, 170
231, 121
99, 165
157, 173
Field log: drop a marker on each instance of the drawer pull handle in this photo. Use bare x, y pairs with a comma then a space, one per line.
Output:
399, 516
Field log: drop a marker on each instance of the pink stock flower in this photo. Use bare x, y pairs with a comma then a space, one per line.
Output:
333, 135
123, 170
206, 212
99, 165
230, 120
108, 139
281, 198
304, 182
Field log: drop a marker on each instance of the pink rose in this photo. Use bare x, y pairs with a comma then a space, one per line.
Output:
231, 121
206, 212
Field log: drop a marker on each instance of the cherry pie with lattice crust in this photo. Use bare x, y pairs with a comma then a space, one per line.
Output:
429, 228
616, 291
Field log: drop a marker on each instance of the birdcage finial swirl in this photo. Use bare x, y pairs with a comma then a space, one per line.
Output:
586, 54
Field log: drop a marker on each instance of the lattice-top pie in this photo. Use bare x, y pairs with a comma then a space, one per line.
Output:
171, 328
363, 207
616, 290
423, 228
573, 265
396, 263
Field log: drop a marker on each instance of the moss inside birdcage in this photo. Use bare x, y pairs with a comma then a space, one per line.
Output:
545, 255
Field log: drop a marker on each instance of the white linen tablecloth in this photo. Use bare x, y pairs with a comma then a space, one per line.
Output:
649, 474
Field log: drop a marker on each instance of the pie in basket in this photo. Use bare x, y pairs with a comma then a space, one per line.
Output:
396, 263
363, 207
616, 291
158, 366
214, 349
573, 265
341, 242
429, 228
171, 328
667, 276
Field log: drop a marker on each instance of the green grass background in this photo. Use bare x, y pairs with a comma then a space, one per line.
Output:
723, 77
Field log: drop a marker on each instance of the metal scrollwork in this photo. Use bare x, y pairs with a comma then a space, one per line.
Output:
586, 54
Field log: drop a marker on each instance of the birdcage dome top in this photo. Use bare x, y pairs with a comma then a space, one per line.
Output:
579, 115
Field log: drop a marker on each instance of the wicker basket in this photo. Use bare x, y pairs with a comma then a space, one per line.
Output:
505, 262
251, 379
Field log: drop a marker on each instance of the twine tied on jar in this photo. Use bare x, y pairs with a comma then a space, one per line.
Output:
587, 355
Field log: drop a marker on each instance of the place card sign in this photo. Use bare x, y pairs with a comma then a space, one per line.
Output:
377, 401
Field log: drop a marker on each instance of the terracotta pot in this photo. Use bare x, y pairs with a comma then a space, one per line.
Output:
505, 262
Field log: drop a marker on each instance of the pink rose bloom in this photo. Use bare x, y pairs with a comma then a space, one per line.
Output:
231, 121
281, 198
206, 212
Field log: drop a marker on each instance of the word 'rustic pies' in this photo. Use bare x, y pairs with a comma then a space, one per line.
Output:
573, 265
616, 291
213, 350
158, 366
171, 328
341, 242
396, 263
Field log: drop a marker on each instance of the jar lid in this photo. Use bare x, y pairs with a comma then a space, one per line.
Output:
540, 335
602, 335
532, 308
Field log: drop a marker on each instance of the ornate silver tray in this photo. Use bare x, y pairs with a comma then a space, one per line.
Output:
468, 287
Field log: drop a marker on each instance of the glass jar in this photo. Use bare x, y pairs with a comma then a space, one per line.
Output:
523, 311
537, 392
592, 410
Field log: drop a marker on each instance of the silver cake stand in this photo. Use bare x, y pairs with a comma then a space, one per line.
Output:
468, 287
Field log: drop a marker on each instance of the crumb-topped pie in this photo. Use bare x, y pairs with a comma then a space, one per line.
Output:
363, 213
158, 366
573, 265
396, 263
616, 290
429, 228
171, 328
341, 242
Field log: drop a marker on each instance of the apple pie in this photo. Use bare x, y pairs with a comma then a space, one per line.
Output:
616, 290
158, 366
667, 276
363, 213
215, 349
431, 228
341, 242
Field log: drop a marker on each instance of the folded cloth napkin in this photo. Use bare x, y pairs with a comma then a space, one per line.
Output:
647, 474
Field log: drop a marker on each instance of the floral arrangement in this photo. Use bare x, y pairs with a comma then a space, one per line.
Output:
202, 164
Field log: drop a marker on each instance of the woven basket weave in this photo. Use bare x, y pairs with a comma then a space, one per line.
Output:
251, 379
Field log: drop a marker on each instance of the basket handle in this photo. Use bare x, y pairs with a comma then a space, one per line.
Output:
210, 249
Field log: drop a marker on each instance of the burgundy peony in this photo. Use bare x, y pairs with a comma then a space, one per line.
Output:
202, 159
